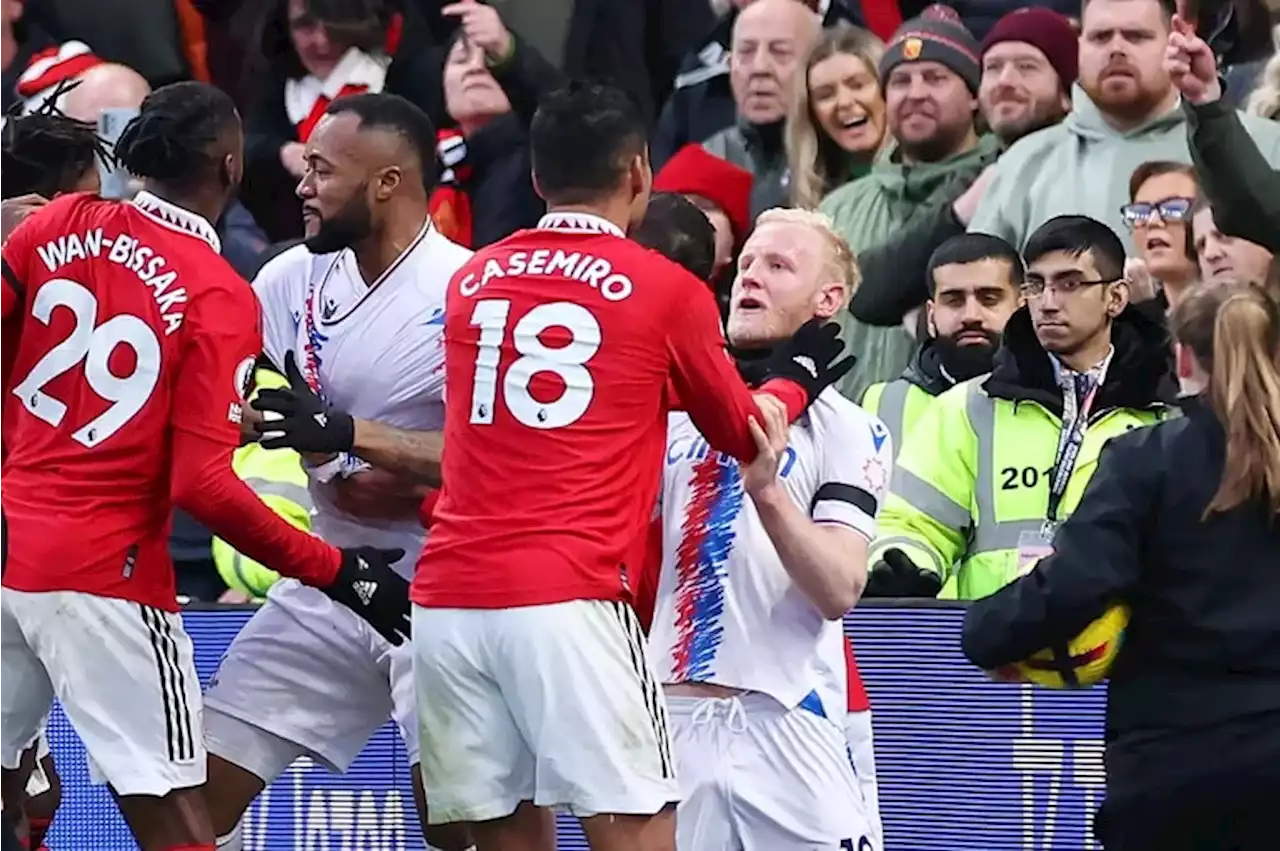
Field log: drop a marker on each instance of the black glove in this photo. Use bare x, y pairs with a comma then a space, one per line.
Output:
307, 424
368, 586
809, 358
898, 576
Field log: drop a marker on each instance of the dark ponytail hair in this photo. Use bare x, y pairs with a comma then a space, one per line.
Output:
169, 140
1234, 332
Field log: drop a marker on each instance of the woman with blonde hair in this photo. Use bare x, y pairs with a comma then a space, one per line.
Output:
836, 124
1181, 523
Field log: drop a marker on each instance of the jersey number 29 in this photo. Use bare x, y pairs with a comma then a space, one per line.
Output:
93, 344
568, 363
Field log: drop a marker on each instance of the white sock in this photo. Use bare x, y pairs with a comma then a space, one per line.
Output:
232, 841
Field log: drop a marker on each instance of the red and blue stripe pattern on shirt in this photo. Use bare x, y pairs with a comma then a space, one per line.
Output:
706, 540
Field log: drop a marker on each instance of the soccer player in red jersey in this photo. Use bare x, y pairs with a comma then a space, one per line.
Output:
534, 690
131, 365
44, 154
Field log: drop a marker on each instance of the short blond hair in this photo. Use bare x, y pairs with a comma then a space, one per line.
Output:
841, 264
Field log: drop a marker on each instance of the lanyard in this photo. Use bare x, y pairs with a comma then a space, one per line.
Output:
1075, 419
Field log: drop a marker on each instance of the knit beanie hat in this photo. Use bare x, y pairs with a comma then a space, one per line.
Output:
694, 171
1045, 29
937, 35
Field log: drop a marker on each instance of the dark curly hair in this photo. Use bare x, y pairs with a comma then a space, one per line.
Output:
46, 153
169, 140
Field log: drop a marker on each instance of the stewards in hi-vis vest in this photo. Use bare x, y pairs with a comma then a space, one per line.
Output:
996, 462
277, 477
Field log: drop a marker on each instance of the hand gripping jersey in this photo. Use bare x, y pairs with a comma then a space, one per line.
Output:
727, 612
374, 351
560, 345
130, 330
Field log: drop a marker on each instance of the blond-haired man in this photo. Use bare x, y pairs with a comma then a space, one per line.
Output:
760, 562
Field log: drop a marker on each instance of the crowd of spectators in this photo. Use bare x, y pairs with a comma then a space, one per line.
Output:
907, 124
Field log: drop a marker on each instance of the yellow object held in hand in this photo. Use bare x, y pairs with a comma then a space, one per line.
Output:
1085, 660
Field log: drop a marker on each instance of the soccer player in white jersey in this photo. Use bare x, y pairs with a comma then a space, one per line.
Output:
354, 318
760, 563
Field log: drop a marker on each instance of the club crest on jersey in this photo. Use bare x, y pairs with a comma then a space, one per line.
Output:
244, 378
876, 476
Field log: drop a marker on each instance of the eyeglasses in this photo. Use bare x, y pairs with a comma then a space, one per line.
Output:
1170, 211
1061, 286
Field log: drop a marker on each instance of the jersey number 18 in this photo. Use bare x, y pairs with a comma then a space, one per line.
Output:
568, 362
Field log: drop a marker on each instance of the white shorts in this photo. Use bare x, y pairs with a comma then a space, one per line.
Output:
306, 677
756, 776
552, 704
125, 676
862, 752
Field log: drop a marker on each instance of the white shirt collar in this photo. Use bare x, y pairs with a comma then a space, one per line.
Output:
177, 218
578, 223
1064, 373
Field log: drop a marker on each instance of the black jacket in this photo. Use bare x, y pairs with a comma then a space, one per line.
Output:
701, 101
32, 38
1141, 374
1194, 699
1242, 187
926, 371
500, 185
415, 73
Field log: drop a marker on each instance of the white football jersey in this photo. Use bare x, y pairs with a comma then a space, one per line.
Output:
375, 352
726, 611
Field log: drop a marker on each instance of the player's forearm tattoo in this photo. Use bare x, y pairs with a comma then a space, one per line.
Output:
413, 454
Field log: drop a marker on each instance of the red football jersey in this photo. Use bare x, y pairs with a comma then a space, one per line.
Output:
560, 343
132, 326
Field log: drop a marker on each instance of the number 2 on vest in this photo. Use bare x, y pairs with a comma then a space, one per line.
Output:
1013, 478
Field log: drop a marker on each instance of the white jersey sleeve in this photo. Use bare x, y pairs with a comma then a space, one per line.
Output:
281, 286
855, 467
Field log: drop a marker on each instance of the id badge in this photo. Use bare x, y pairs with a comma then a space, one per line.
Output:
1033, 546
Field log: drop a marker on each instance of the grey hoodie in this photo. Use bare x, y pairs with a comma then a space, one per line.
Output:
1082, 167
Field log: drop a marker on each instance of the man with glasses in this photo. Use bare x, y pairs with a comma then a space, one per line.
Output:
996, 462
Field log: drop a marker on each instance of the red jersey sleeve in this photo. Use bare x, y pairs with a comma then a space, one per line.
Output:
16, 264
427, 510
706, 381
222, 339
